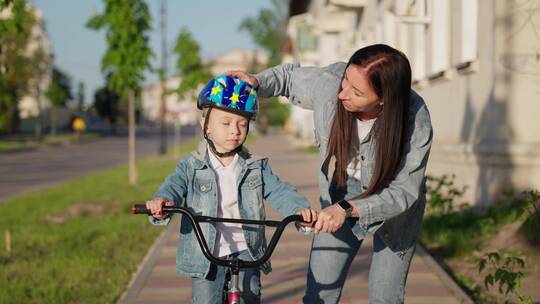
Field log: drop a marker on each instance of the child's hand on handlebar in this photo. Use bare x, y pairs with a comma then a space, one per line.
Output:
155, 206
309, 216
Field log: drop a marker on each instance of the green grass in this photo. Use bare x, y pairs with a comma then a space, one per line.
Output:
310, 150
77, 242
13, 145
460, 232
449, 232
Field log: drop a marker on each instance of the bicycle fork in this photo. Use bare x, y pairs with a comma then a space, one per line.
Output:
233, 295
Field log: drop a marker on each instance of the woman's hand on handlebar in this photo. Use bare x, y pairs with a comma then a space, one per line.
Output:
156, 207
245, 77
309, 216
330, 219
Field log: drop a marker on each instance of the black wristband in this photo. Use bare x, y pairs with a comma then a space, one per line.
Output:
346, 206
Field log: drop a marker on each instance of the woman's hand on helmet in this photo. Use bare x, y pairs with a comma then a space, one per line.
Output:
245, 77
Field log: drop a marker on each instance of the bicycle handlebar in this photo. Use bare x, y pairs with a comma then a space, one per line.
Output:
196, 219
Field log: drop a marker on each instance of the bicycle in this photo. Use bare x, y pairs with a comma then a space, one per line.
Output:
232, 295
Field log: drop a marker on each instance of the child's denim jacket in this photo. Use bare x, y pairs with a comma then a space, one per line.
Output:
194, 185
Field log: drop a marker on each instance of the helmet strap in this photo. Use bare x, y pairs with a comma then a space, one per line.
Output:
211, 143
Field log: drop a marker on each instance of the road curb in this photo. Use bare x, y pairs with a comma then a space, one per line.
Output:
138, 278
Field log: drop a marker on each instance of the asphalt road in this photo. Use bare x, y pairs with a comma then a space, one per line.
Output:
26, 171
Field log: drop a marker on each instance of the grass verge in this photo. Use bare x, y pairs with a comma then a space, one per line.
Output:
461, 238
20, 144
77, 242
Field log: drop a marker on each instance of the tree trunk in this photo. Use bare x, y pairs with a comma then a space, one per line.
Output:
133, 176
53, 120
13, 120
163, 126
39, 119
177, 129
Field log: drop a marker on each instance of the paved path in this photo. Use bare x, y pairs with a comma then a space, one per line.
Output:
25, 171
157, 282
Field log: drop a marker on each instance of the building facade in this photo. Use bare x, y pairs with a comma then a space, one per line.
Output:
475, 62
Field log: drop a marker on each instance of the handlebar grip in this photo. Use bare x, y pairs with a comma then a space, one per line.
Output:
139, 209
295, 218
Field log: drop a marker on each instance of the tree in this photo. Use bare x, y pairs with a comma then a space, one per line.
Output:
189, 65
191, 72
16, 68
106, 104
127, 23
58, 92
267, 30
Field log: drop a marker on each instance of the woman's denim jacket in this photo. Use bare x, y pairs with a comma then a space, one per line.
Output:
395, 212
194, 185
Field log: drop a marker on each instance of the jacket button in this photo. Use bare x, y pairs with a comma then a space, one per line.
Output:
362, 157
203, 188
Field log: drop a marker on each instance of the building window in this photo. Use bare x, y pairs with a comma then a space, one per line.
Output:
390, 29
413, 18
469, 30
306, 41
403, 39
419, 52
378, 30
328, 48
440, 37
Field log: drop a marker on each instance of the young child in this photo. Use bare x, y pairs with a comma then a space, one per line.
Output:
223, 179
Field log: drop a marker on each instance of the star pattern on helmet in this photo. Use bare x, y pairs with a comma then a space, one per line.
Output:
217, 89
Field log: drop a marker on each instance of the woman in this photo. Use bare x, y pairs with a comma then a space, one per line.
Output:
374, 135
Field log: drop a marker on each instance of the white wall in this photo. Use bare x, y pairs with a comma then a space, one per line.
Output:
476, 65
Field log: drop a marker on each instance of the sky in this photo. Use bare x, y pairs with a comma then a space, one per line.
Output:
78, 50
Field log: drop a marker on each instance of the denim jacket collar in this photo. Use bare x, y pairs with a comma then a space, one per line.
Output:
245, 159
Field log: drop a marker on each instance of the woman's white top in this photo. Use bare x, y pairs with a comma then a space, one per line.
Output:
229, 236
364, 127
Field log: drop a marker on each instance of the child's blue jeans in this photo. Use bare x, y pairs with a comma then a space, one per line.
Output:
209, 290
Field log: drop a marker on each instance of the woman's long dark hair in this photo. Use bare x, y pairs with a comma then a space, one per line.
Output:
389, 74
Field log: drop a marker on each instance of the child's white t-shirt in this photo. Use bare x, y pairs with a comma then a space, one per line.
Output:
364, 127
229, 237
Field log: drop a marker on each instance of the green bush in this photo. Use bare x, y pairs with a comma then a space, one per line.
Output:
506, 271
442, 193
458, 232
531, 226
274, 112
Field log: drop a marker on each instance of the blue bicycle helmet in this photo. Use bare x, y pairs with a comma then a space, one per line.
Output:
229, 94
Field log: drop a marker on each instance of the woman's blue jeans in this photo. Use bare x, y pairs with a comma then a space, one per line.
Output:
331, 258
209, 290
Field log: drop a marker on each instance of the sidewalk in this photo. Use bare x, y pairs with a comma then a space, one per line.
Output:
157, 282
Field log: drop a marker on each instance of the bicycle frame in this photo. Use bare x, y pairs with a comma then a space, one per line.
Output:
233, 296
